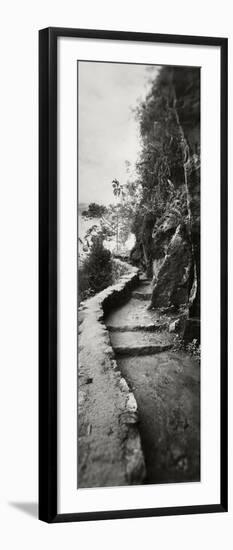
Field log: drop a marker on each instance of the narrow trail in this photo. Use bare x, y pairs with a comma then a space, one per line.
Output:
166, 385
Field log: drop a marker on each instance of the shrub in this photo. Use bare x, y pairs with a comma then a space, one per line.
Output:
97, 268
118, 269
94, 210
83, 285
193, 348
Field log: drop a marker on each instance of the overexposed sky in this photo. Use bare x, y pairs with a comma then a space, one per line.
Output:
108, 131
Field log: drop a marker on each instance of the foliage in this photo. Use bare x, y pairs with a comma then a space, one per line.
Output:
154, 199
124, 212
96, 268
117, 188
118, 218
193, 348
98, 271
118, 269
161, 155
83, 284
163, 115
94, 210
174, 211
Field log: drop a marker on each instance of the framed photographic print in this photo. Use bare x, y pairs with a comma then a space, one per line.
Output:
133, 274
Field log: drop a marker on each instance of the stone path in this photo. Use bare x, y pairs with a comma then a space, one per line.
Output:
166, 385
109, 444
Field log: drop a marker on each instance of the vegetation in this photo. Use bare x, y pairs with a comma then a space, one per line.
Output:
163, 193
193, 347
96, 271
115, 221
94, 210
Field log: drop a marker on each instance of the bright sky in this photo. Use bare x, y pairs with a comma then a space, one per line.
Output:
108, 131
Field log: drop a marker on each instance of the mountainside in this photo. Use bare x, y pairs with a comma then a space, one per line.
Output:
167, 222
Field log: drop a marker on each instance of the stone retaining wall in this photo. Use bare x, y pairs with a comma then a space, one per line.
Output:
109, 445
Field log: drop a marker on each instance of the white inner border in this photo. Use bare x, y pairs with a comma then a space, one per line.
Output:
208, 490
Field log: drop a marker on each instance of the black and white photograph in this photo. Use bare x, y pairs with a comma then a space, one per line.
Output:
139, 273
115, 407
133, 275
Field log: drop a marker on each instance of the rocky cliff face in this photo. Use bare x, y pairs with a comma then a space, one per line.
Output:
188, 108
169, 239
172, 286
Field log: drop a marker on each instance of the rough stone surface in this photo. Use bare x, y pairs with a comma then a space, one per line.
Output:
134, 312
173, 280
155, 229
174, 326
157, 264
143, 292
167, 390
192, 168
139, 343
192, 330
109, 445
166, 385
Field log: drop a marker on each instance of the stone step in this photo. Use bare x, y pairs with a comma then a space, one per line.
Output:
133, 313
151, 327
140, 295
141, 350
140, 343
143, 291
144, 279
144, 286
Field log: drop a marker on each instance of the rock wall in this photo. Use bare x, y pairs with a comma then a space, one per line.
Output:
175, 244
109, 445
188, 111
172, 286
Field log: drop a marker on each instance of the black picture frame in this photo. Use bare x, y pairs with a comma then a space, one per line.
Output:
48, 275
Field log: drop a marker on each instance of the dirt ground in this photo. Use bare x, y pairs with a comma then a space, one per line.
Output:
166, 388
166, 385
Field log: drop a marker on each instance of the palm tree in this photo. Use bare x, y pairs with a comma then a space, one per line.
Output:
117, 192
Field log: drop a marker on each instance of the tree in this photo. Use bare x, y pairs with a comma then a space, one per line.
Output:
97, 266
168, 169
117, 192
117, 219
94, 210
